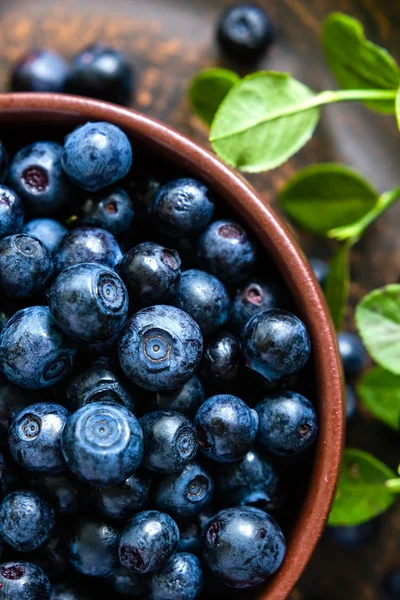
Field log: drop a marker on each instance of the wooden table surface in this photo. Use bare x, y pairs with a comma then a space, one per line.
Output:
168, 42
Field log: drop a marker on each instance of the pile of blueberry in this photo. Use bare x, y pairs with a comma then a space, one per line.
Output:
125, 295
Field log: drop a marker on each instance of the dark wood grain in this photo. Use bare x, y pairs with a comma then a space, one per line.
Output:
168, 42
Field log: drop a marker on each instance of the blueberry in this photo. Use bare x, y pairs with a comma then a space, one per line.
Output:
96, 155
183, 495
352, 353
3, 162
124, 500
351, 402
89, 302
103, 73
11, 211
180, 579
320, 269
287, 423
251, 299
93, 547
160, 348
112, 211
148, 541
34, 437
99, 382
226, 251
87, 245
37, 176
126, 583
205, 299
185, 399
33, 351
222, 358
276, 344
354, 536
48, 231
102, 443
26, 520
170, 441
391, 585
23, 581
182, 207
245, 32
65, 591
64, 492
26, 266
12, 400
190, 540
151, 273
40, 71
227, 428
243, 546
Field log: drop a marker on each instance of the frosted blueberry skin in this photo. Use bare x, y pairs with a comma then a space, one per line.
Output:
40, 71
151, 273
11, 211
226, 251
65, 493
26, 520
251, 299
276, 344
160, 348
102, 443
126, 583
87, 245
243, 546
170, 441
226, 427
288, 423
352, 353
3, 162
23, 581
180, 579
26, 266
222, 358
37, 176
96, 155
13, 399
34, 352
148, 540
204, 298
124, 500
186, 399
112, 211
48, 231
93, 547
183, 495
89, 302
34, 437
181, 208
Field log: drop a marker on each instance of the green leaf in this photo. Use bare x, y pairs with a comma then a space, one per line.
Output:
378, 322
337, 283
397, 102
361, 492
379, 392
327, 196
208, 89
264, 120
357, 62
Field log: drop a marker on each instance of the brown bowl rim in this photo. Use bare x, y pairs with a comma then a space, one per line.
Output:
280, 244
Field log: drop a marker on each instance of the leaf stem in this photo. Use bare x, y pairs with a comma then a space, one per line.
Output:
330, 96
393, 485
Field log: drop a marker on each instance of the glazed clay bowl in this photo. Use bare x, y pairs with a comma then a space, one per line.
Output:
20, 112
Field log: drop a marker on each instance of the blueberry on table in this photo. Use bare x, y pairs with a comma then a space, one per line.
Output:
124, 500
26, 520
320, 268
96, 155
87, 245
23, 581
63, 490
112, 211
183, 495
243, 546
89, 302
182, 574
222, 358
37, 176
251, 299
204, 298
34, 352
3, 162
147, 542
126, 582
186, 399
170, 441
352, 353
288, 423
11, 211
226, 251
226, 427
245, 32
40, 71
102, 72
12, 400
93, 547
49, 231
34, 437
151, 273
26, 266
160, 348
275, 344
